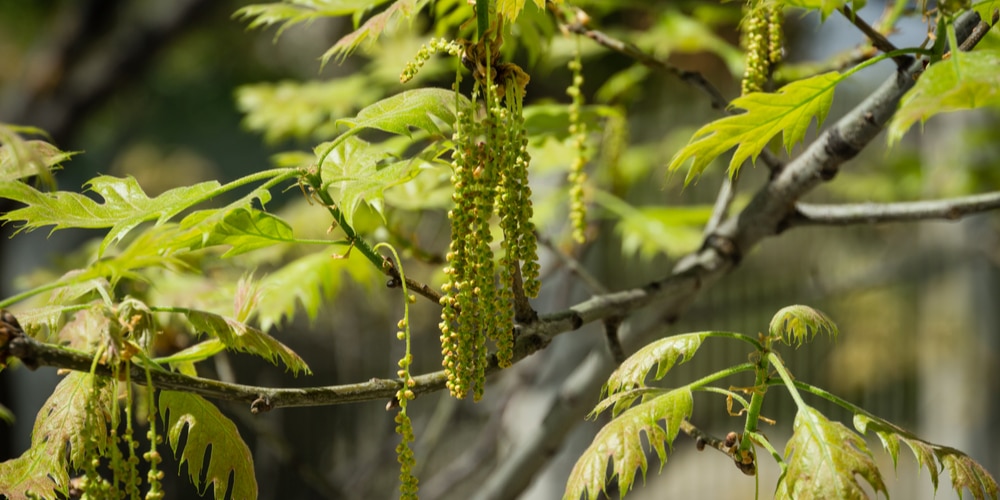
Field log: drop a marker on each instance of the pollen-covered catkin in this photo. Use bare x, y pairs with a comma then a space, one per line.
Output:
578, 131
762, 39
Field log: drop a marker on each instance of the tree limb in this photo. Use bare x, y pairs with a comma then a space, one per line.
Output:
874, 213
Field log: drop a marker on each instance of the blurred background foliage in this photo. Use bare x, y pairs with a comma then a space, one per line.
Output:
175, 93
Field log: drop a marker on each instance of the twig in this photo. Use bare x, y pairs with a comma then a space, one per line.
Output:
629, 50
573, 265
611, 326
727, 192
979, 32
879, 41
874, 213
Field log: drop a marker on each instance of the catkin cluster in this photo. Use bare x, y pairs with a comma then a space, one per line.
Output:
762, 39
490, 178
578, 130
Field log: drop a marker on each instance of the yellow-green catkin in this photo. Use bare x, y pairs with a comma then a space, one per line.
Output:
762, 39
433, 46
490, 178
578, 131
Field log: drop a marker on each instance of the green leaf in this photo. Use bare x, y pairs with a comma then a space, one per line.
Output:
20, 159
372, 28
967, 81
292, 12
663, 354
309, 281
967, 473
125, 206
788, 111
247, 230
825, 7
512, 8
800, 324
890, 436
65, 431
292, 109
244, 338
363, 171
198, 352
621, 442
207, 426
429, 109
825, 460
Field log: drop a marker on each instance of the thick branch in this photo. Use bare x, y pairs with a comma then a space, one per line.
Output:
874, 213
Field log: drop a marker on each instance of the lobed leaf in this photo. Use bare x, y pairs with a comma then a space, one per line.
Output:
788, 111
800, 324
429, 109
292, 12
968, 80
663, 353
620, 441
63, 433
965, 472
308, 281
825, 7
363, 171
510, 9
825, 460
247, 229
207, 426
244, 338
125, 205
20, 159
372, 28
290, 109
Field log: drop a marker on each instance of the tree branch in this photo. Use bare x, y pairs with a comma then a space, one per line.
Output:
879, 41
874, 213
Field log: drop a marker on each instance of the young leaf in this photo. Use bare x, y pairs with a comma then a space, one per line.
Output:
246, 230
512, 8
800, 324
363, 172
825, 460
22, 159
291, 109
825, 7
890, 436
372, 28
125, 205
621, 442
663, 353
789, 111
64, 428
309, 280
429, 109
292, 12
207, 426
967, 81
242, 337
967, 473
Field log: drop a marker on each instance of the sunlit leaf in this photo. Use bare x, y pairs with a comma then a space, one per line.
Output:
429, 109
241, 337
373, 28
198, 352
651, 231
510, 9
208, 427
798, 324
621, 442
125, 205
309, 281
788, 111
825, 460
825, 7
663, 354
249, 229
363, 171
27, 158
292, 12
968, 80
966, 473
291, 109
890, 436
65, 429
